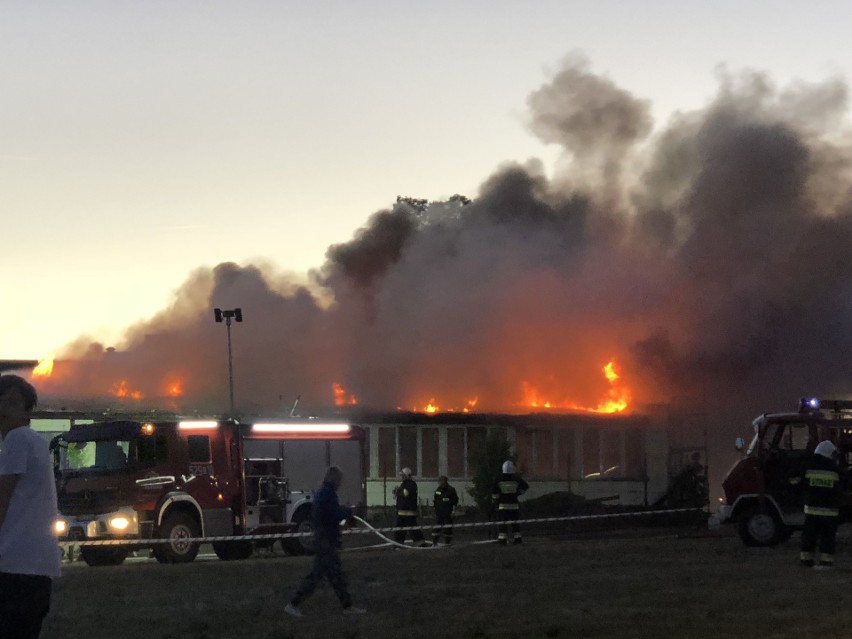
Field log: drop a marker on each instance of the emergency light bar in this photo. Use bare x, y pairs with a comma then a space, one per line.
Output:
301, 428
199, 425
813, 403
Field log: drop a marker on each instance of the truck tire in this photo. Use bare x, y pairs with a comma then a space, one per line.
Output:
302, 523
177, 527
232, 550
103, 555
761, 526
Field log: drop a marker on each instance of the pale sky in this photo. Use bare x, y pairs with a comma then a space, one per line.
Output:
141, 140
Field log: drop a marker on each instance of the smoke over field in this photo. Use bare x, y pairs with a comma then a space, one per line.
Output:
705, 260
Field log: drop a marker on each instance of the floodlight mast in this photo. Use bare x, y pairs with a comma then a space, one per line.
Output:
228, 315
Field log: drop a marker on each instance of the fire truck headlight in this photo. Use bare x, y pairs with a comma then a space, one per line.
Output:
60, 527
119, 523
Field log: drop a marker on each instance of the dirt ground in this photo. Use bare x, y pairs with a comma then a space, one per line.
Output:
643, 583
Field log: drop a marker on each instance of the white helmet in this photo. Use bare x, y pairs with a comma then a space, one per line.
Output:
826, 449
508, 467
405, 472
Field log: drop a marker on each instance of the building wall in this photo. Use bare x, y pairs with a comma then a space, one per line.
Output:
622, 460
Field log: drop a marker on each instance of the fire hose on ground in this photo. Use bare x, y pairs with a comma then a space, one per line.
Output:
368, 529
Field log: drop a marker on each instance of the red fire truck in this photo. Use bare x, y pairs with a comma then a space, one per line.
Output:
143, 480
764, 491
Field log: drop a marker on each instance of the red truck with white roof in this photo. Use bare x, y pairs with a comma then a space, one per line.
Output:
132, 480
764, 491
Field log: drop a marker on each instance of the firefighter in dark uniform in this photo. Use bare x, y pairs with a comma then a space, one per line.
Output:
406, 509
505, 495
822, 498
446, 498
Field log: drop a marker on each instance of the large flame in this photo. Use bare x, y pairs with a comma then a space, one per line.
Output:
122, 390
44, 367
616, 400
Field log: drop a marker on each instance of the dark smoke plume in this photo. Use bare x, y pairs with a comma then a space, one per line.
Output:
708, 257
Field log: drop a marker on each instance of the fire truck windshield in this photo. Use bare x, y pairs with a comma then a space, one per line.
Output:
110, 454
107, 455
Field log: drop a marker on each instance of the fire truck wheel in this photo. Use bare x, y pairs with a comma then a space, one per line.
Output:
103, 555
761, 527
233, 550
301, 524
177, 527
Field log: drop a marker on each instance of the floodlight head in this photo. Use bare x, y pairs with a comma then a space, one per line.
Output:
217, 313
238, 314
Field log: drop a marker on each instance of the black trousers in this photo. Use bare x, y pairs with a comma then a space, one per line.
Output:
24, 603
444, 526
819, 529
506, 516
326, 564
403, 521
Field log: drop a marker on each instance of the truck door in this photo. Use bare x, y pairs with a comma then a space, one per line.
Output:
788, 457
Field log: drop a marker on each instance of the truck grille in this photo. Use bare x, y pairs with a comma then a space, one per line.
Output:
89, 502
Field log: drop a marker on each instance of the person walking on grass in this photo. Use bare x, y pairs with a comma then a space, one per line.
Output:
327, 515
822, 501
29, 552
446, 498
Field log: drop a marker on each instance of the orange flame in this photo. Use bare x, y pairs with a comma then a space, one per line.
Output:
342, 397
122, 390
44, 367
531, 397
616, 400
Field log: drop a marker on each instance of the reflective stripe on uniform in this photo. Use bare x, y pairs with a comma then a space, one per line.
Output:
822, 478
826, 559
820, 511
508, 487
407, 513
508, 507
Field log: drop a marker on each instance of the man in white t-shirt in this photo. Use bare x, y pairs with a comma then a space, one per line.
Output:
29, 554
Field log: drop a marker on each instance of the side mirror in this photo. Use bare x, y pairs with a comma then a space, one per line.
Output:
739, 444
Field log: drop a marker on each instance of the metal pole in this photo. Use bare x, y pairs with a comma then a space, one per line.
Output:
230, 366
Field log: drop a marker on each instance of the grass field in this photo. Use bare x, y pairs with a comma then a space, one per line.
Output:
648, 583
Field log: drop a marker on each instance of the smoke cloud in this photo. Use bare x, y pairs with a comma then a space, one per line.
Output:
708, 257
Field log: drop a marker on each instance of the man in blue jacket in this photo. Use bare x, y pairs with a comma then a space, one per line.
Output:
327, 515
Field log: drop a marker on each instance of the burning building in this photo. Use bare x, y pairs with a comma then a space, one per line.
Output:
701, 264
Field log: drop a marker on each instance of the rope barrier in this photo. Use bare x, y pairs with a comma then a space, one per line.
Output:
359, 531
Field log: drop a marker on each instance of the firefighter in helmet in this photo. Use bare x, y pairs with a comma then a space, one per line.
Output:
406, 509
505, 495
446, 498
822, 500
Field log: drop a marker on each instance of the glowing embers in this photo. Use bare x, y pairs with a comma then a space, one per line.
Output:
44, 368
342, 397
431, 407
173, 387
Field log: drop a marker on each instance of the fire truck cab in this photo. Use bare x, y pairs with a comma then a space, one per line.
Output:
764, 491
133, 481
